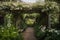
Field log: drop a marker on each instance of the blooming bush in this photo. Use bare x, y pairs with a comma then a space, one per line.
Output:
9, 31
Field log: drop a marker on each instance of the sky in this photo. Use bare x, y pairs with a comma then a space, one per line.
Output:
32, 1
29, 1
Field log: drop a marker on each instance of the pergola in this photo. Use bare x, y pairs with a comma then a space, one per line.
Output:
17, 8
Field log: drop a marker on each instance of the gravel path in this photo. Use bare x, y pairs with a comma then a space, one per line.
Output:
28, 34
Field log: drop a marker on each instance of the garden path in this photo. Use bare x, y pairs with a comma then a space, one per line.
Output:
28, 34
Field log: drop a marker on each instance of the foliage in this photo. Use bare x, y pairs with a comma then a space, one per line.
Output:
9, 31
54, 20
40, 32
47, 34
51, 7
52, 34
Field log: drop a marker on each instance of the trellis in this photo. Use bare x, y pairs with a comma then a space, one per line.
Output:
19, 8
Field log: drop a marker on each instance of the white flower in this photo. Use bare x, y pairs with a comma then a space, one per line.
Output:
51, 30
43, 28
